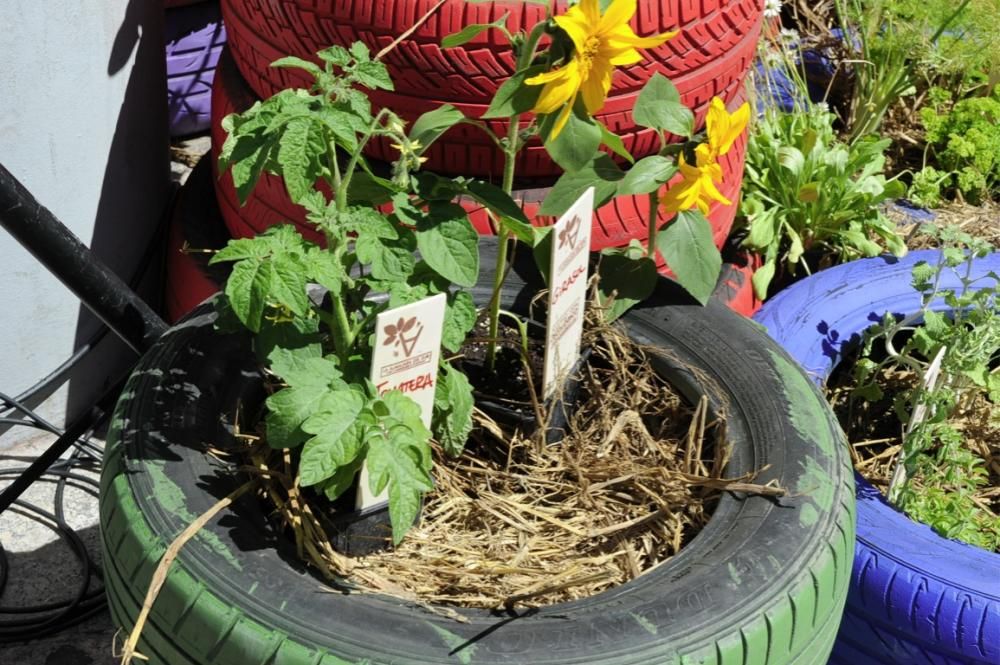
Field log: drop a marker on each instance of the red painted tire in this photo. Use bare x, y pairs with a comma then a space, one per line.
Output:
195, 224
615, 224
709, 57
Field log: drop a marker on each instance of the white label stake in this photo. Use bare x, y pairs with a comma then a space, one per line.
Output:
567, 291
405, 358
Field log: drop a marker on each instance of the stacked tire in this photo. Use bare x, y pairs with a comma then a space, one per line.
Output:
709, 57
764, 582
194, 38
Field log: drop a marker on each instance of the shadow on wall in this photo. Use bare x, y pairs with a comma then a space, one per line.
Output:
129, 233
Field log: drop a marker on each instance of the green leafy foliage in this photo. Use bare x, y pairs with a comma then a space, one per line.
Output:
627, 277
938, 475
687, 246
473, 30
964, 139
659, 107
318, 348
804, 190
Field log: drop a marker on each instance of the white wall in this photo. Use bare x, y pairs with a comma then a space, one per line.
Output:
83, 127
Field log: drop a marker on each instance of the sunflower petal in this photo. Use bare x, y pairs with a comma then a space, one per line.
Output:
591, 10
710, 191
681, 196
559, 90
595, 87
623, 36
575, 25
737, 123
625, 57
546, 77
724, 128
620, 12
562, 119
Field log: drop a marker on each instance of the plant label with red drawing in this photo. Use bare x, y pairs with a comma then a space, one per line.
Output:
405, 358
567, 291
407, 348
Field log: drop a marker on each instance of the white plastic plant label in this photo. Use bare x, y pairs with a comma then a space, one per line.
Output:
405, 358
567, 291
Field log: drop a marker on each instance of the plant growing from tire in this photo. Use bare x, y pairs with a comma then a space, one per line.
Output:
319, 348
805, 191
564, 86
937, 478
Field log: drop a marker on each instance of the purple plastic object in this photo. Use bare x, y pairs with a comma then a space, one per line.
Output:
194, 40
915, 598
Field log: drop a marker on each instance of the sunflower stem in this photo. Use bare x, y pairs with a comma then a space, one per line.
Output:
654, 204
510, 151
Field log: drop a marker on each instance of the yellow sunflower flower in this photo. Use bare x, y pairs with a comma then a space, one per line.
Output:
697, 187
601, 42
724, 128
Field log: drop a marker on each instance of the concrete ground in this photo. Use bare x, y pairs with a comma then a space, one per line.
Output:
44, 569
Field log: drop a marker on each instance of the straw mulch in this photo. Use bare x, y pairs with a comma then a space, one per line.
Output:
980, 221
514, 522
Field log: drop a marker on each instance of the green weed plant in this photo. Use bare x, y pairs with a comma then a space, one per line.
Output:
938, 476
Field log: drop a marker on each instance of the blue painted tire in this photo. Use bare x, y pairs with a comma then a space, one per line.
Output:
194, 40
915, 597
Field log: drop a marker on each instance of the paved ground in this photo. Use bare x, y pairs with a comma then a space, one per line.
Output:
44, 569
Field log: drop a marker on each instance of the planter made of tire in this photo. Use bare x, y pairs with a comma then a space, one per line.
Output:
709, 57
194, 37
625, 218
763, 582
915, 597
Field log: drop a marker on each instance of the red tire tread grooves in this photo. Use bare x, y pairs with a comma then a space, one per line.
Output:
615, 224
709, 57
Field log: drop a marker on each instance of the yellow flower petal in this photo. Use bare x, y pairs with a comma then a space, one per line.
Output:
620, 56
559, 90
620, 12
623, 36
595, 87
562, 119
708, 190
576, 27
723, 129
546, 77
681, 196
704, 154
591, 10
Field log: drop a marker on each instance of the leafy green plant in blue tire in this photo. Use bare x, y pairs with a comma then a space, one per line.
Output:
915, 596
764, 582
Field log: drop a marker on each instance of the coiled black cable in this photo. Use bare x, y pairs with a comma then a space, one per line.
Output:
34, 621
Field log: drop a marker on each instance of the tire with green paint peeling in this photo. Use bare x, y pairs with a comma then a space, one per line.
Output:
763, 584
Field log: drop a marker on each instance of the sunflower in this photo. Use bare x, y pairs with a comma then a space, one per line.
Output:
697, 185
601, 42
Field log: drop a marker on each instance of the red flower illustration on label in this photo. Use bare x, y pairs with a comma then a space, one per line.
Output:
570, 233
403, 334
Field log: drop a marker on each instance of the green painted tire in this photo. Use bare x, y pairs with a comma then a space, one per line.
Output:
763, 584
